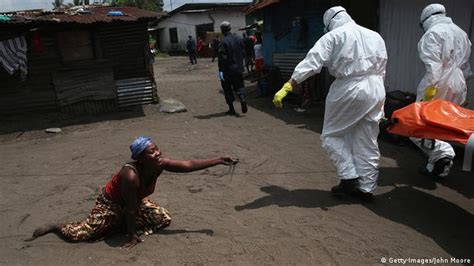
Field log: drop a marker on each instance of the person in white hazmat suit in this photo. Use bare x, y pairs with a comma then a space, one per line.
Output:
444, 49
356, 57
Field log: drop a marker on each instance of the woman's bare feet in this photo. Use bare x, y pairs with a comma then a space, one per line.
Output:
44, 230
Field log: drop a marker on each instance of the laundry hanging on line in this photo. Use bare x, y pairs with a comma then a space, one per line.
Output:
13, 55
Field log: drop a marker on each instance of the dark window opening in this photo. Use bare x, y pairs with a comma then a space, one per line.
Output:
202, 29
173, 35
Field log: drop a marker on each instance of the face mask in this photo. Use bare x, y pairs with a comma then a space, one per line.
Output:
326, 29
421, 23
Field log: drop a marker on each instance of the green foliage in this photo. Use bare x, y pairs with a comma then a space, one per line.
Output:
57, 3
152, 5
79, 2
161, 54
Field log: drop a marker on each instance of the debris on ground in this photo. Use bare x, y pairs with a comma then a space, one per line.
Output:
53, 130
171, 106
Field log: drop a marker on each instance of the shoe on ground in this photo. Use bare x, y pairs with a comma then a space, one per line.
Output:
363, 196
439, 170
231, 112
244, 106
346, 186
442, 167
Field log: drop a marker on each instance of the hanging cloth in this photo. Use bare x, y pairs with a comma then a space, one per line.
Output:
13, 55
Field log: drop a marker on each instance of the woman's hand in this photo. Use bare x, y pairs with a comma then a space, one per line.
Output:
226, 160
132, 241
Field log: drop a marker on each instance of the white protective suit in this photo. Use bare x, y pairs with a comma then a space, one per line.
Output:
357, 57
444, 49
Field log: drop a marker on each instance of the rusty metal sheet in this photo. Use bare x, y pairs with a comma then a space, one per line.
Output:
96, 15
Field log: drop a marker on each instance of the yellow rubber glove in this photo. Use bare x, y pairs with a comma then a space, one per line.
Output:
430, 93
278, 98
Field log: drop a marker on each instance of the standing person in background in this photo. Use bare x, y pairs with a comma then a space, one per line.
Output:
231, 67
200, 45
444, 49
258, 53
253, 38
191, 49
249, 52
215, 47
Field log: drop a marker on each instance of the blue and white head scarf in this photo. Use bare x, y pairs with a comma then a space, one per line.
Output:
139, 145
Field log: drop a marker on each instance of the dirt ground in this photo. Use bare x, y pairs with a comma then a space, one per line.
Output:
275, 209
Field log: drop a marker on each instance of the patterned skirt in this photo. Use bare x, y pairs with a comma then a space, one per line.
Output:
107, 217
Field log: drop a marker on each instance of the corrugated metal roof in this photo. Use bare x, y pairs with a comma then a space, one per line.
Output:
259, 5
92, 14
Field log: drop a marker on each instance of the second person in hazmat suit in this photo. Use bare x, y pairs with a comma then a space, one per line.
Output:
444, 49
356, 57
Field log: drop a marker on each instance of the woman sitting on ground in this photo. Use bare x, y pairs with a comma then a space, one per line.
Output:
124, 197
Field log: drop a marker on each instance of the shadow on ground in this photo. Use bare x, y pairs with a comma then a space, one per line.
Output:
447, 224
210, 116
37, 121
408, 157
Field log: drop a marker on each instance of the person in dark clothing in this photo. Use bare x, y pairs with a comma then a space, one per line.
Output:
215, 47
191, 48
249, 53
231, 68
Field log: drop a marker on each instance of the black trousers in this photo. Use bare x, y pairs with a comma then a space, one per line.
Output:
233, 83
192, 57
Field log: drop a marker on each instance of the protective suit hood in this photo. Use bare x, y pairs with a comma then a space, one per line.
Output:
430, 14
430, 10
436, 19
336, 17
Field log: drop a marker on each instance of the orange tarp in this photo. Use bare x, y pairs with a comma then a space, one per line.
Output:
436, 119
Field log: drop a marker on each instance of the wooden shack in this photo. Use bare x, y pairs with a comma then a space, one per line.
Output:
81, 60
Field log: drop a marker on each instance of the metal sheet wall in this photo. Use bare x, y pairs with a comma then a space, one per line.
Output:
36, 92
91, 82
135, 91
125, 45
287, 62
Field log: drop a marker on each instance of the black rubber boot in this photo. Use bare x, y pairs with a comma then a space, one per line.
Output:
442, 167
363, 196
231, 110
440, 170
346, 186
244, 106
